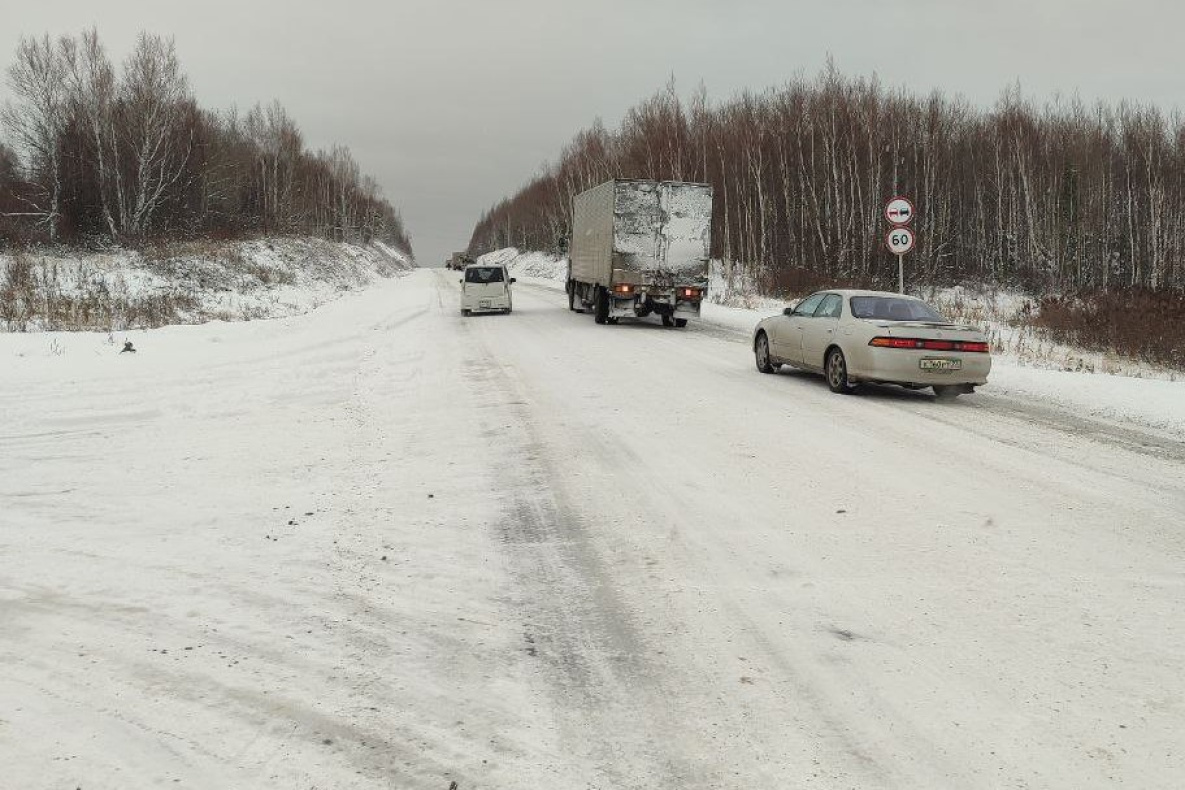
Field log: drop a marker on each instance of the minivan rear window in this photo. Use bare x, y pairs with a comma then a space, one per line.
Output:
484, 274
887, 308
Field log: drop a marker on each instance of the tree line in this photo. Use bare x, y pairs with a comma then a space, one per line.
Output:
1063, 196
92, 152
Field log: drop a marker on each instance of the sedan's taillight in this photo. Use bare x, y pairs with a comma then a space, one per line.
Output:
970, 346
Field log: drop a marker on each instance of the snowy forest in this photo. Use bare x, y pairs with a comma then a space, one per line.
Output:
91, 153
1057, 198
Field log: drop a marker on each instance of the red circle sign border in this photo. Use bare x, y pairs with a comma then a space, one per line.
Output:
897, 223
913, 240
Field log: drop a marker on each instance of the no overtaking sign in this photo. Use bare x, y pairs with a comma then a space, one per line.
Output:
899, 211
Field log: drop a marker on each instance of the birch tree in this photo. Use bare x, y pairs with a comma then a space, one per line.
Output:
34, 124
154, 101
90, 81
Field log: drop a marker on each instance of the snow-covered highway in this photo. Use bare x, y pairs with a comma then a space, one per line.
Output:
385, 546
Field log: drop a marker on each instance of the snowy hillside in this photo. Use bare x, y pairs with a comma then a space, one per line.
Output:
184, 283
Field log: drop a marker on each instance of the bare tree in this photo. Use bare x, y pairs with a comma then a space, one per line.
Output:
1037, 197
36, 122
154, 103
91, 85
8, 166
127, 153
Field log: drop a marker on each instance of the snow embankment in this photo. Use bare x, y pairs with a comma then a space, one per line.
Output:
538, 266
184, 283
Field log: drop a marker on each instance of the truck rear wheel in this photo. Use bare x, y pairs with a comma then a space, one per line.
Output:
572, 297
601, 306
680, 322
668, 321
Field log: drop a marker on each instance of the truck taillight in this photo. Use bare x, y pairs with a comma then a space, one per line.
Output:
693, 294
624, 289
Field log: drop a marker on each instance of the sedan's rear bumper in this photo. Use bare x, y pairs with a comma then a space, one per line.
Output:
903, 366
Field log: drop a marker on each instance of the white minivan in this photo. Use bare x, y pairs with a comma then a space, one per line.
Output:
486, 288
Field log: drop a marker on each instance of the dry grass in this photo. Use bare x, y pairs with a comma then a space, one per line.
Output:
34, 295
1130, 333
794, 282
177, 282
174, 260
1145, 325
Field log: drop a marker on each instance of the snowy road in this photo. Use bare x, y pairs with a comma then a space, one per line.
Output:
385, 546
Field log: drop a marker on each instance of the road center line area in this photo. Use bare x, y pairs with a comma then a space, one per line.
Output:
384, 545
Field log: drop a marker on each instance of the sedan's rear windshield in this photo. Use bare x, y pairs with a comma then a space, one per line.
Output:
484, 274
887, 308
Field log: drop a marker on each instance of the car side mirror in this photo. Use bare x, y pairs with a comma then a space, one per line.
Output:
461, 281
788, 311
513, 280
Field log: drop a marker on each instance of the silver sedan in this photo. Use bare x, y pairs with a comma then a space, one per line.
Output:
877, 337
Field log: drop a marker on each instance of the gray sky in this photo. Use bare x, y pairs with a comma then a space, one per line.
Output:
452, 105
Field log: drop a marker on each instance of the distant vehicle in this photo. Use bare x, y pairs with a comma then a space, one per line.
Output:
485, 288
459, 261
876, 337
640, 247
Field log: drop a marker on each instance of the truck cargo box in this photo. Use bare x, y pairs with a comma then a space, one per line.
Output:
658, 229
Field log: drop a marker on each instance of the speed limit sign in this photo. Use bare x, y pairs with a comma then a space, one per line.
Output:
900, 240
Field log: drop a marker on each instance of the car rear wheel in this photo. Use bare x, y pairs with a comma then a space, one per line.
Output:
761, 353
837, 372
464, 312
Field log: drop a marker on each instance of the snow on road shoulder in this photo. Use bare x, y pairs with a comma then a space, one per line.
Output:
1149, 403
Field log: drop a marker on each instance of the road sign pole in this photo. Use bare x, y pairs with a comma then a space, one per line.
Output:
900, 212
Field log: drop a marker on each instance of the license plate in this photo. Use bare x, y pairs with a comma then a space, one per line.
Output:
484, 303
941, 365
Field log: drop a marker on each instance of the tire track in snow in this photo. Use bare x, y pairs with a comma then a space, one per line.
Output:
606, 694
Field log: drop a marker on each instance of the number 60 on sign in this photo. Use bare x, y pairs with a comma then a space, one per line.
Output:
900, 240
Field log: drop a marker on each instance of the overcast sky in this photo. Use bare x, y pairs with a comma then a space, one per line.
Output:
452, 105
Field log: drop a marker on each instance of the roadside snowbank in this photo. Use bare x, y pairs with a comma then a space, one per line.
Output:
1150, 403
184, 283
535, 265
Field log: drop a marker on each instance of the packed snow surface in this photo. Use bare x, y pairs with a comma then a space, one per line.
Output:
381, 545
